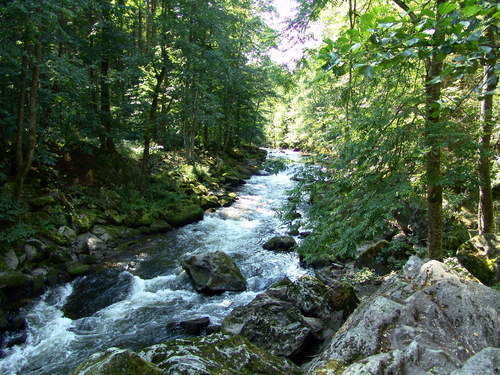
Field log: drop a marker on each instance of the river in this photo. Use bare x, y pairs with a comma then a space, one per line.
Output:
151, 290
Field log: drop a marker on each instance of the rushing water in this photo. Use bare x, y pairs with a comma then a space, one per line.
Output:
157, 290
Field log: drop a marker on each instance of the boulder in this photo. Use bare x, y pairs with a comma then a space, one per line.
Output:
214, 273
271, 324
481, 256
192, 326
185, 215
97, 291
11, 260
14, 279
280, 243
160, 226
432, 317
369, 256
217, 354
291, 318
116, 361
89, 242
77, 269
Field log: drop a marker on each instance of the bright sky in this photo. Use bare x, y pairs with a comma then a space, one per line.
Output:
291, 47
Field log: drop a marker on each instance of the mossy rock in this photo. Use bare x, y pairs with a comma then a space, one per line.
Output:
184, 215
83, 221
116, 361
78, 269
480, 256
333, 367
14, 279
217, 354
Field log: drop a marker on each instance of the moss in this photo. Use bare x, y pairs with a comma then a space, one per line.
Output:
479, 256
333, 367
78, 269
184, 215
14, 279
217, 354
85, 220
116, 362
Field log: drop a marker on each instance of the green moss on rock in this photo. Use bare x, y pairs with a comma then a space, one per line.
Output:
217, 354
183, 215
480, 256
116, 362
14, 279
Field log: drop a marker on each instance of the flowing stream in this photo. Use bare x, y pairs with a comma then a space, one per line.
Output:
152, 290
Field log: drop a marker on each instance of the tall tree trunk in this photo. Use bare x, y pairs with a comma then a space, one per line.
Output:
32, 122
106, 118
151, 123
20, 114
486, 219
433, 88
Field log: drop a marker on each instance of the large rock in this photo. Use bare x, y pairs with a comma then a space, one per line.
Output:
430, 318
280, 243
290, 318
11, 260
116, 361
481, 256
369, 256
217, 354
214, 273
272, 324
89, 242
94, 292
185, 215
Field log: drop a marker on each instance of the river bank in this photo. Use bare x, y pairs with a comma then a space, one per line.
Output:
96, 210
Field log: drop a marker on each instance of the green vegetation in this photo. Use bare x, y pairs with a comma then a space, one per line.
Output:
397, 105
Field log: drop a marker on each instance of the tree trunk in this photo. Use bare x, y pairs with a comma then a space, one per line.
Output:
106, 119
151, 123
20, 114
32, 122
433, 88
486, 219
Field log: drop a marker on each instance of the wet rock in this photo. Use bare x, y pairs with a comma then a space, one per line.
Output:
88, 242
116, 361
481, 256
214, 273
97, 291
275, 325
77, 269
11, 260
369, 256
15, 338
280, 243
192, 326
216, 354
430, 317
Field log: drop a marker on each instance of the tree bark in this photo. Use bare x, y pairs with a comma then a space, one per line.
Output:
151, 123
32, 122
106, 118
486, 218
20, 114
433, 88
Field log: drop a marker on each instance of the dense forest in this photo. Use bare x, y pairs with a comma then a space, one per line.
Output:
399, 101
163, 177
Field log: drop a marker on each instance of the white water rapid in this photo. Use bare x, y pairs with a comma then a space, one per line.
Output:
154, 289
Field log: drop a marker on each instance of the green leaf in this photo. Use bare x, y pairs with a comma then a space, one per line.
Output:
471, 10
412, 42
447, 8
